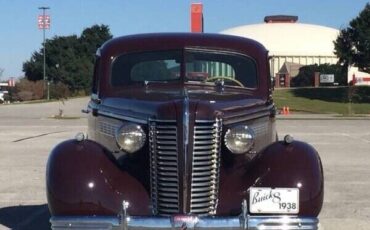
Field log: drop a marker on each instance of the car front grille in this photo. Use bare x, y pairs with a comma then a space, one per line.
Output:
163, 142
164, 164
206, 165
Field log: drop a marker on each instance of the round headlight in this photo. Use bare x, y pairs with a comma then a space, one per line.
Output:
130, 138
239, 139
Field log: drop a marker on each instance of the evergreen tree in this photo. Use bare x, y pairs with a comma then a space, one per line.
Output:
353, 43
69, 59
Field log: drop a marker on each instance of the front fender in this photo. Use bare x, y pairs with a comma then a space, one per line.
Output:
295, 165
82, 179
279, 165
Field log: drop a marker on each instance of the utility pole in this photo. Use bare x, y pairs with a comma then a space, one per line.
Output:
44, 23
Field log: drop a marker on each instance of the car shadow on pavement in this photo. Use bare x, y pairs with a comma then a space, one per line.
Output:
25, 217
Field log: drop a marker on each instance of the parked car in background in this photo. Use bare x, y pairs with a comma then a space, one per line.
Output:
2, 96
182, 136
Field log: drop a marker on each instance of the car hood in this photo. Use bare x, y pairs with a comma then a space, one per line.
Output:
170, 103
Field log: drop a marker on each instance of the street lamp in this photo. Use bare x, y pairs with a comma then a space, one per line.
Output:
44, 23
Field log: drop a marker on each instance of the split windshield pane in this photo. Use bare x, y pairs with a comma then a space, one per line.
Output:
200, 67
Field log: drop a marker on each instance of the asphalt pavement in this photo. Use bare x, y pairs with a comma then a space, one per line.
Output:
344, 148
28, 132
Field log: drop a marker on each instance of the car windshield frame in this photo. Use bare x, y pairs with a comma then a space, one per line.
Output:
183, 60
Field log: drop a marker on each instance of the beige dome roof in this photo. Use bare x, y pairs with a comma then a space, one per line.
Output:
290, 39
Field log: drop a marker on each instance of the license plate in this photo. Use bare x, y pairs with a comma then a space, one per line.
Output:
276, 201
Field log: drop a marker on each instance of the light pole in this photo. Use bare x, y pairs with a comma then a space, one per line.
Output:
44, 23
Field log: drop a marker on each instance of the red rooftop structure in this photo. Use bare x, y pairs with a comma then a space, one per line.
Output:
196, 17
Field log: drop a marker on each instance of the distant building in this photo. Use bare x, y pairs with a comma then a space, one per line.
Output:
3, 91
291, 44
357, 77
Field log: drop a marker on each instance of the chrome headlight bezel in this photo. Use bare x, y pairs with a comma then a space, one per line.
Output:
130, 137
241, 135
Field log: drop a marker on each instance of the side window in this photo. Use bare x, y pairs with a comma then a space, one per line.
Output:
96, 75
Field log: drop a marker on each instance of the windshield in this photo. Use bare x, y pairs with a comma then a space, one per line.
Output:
199, 66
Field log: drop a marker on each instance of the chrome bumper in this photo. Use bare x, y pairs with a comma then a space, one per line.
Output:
162, 223
185, 222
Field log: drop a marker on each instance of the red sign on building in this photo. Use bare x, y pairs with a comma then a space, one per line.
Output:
43, 22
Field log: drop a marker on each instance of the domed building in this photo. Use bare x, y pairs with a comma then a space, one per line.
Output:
291, 44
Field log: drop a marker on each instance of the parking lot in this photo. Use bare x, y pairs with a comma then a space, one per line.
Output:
28, 132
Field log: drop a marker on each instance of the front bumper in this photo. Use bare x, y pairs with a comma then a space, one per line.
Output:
186, 222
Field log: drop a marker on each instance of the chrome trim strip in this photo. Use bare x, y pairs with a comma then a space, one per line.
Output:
121, 117
185, 149
153, 166
85, 222
191, 222
205, 121
264, 112
158, 120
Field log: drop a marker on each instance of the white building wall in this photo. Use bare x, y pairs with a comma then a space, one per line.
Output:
276, 62
304, 44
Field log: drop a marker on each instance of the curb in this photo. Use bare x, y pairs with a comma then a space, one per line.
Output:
321, 117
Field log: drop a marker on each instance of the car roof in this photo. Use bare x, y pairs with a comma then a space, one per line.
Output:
166, 41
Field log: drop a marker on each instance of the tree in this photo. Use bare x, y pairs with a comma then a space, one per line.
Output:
92, 38
69, 59
353, 43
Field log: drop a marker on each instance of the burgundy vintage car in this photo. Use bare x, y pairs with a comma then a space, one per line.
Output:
182, 136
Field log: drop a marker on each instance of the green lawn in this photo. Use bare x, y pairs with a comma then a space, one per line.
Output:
299, 101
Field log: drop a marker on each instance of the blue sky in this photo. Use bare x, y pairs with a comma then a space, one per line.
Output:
20, 36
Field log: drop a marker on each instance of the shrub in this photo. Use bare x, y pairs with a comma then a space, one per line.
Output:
29, 90
355, 94
25, 96
305, 76
26, 90
360, 94
59, 91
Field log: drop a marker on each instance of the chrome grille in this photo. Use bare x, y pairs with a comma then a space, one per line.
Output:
260, 128
206, 166
164, 161
108, 128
